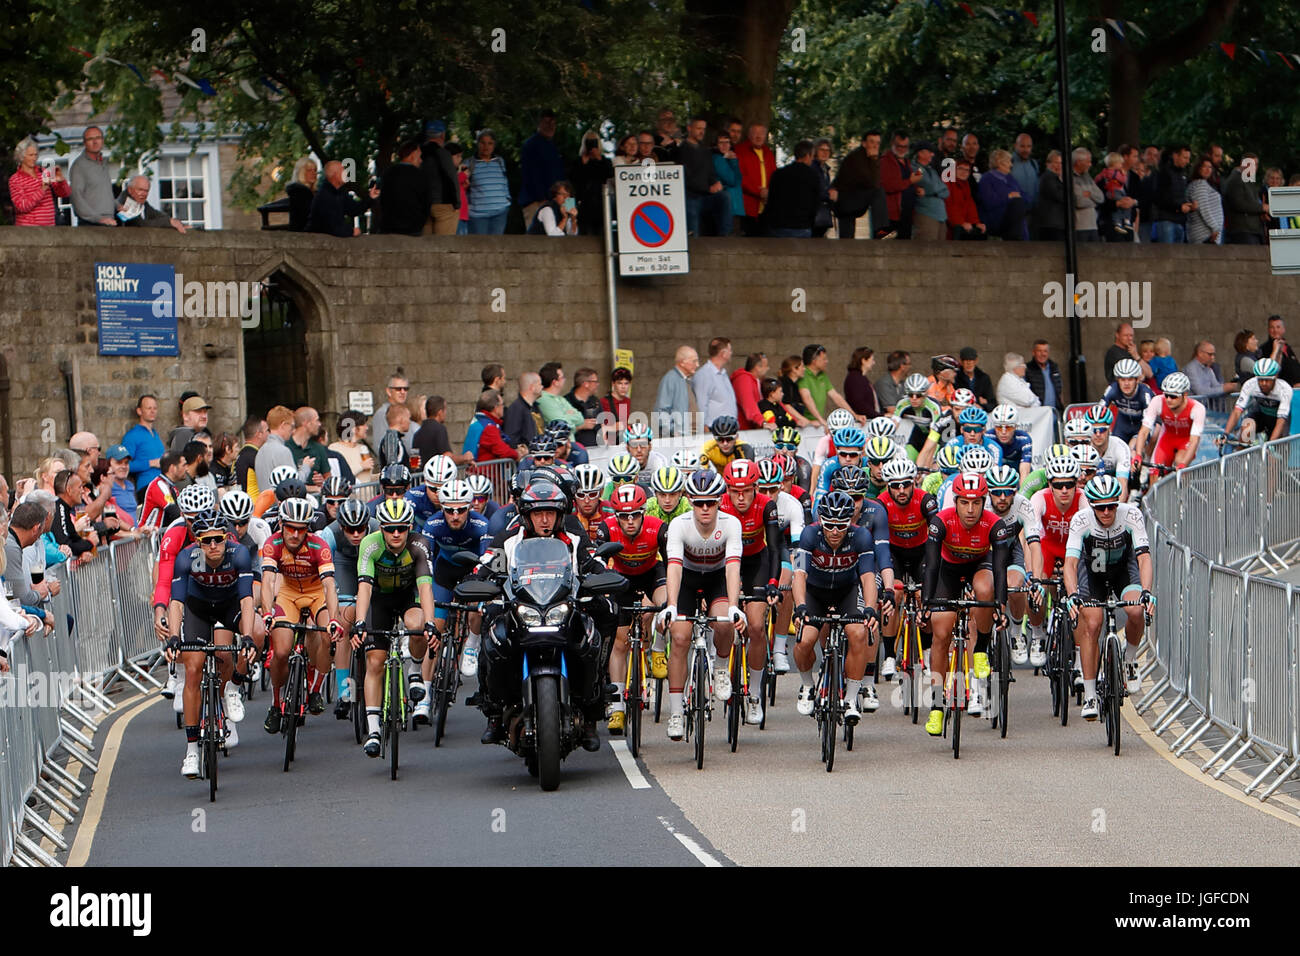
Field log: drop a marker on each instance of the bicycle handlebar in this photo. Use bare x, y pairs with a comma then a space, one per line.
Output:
955, 604
835, 619
1110, 603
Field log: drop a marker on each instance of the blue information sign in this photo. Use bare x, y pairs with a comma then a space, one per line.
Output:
133, 302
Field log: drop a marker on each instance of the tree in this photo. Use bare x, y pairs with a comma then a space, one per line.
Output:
741, 42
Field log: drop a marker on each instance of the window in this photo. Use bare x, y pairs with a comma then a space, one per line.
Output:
182, 189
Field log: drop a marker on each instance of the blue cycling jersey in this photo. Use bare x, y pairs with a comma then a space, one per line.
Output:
193, 580
424, 508
1019, 449
988, 441
445, 541
501, 520
1128, 409
490, 507
832, 569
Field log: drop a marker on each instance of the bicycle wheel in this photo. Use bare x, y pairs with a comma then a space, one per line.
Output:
834, 695
699, 704
1064, 669
292, 701
358, 678
211, 732
444, 688
633, 704
395, 714
737, 699
1115, 678
331, 681
1004, 679
659, 696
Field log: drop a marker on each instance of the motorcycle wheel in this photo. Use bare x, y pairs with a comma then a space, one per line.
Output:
548, 732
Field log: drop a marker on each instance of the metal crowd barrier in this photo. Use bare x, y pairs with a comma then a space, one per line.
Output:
1226, 636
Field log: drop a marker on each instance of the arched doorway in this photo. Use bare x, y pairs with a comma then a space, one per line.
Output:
275, 350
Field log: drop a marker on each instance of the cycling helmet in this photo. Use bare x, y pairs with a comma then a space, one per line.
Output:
281, 472
836, 508
627, 499
518, 482
667, 481
976, 458
1176, 383
969, 484
207, 521
559, 430
899, 469
336, 486
849, 437
880, 427
637, 431
395, 513
290, 488
1077, 429
940, 363
705, 483
589, 478
724, 426
542, 445
1102, 488
770, 473
948, 460
480, 484
439, 470
1266, 368
916, 384
296, 511
740, 474
1086, 456
194, 499
395, 476
1003, 478
973, 416
1100, 414
685, 458
839, 418
542, 495
1064, 467
623, 468
787, 463
236, 506
881, 449
354, 514
1059, 450
1004, 415
455, 492
1127, 368
852, 480
962, 399
392, 450
787, 435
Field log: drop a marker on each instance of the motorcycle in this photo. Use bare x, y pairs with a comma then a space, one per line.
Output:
542, 601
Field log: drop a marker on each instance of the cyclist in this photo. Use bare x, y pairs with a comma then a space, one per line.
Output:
394, 482
973, 424
760, 566
644, 540
966, 544
483, 502
394, 588
343, 535
787, 439
791, 466
1129, 397
824, 450
541, 451
1089, 460
623, 469
835, 568
1015, 443
946, 464
566, 449
268, 498
1037, 479
725, 446
908, 512
1054, 507
870, 514
1077, 431
438, 470
667, 485
237, 509
1107, 554
587, 496
211, 597
790, 516
1263, 405
291, 487
1005, 501
704, 553
1182, 420
1117, 457
878, 451
917, 414
974, 458
848, 452
334, 492
637, 441
943, 373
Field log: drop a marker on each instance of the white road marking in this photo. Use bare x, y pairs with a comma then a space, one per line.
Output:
696, 850
628, 763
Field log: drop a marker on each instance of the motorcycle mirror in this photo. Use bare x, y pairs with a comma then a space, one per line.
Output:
608, 548
478, 591
604, 583
465, 558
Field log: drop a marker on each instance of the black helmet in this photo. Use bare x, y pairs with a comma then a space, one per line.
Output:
290, 488
542, 495
336, 486
396, 475
835, 508
852, 480
724, 426
939, 363
392, 450
518, 482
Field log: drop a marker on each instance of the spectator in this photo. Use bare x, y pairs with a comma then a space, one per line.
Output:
143, 444
194, 417
353, 427
897, 177
770, 406
405, 200
1163, 363
1147, 351
303, 444
588, 176
1025, 171
94, 195
793, 197
552, 404
792, 370
962, 212
558, 216
617, 403
523, 422
541, 166
1171, 202
889, 387
1013, 389
224, 449
493, 375
431, 437
675, 407
856, 189
1204, 372
1246, 345
1115, 217
971, 376
439, 168
1049, 215
858, 391
1087, 197
727, 168
821, 165
1279, 350
1244, 213
1205, 221
198, 468
1123, 347
583, 397
708, 210
45, 472
489, 189
929, 215
398, 388
1044, 377
645, 147
456, 152
483, 439
625, 154
946, 148
68, 487
136, 210
335, 205
301, 192
32, 189
1145, 191
713, 392
667, 139
1001, 206
970, 151
815, 388
943, 373
757, 164
1272, 180
275, 450
123, 490
745, 384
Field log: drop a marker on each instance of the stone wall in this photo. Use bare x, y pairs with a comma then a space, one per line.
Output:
375, 303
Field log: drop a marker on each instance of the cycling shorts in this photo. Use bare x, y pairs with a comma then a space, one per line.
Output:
751, 576
640, 590
387, 611
445, 578
291, 603
847, 600
953, 577
1117, 579
1166, 448
202, 618
707, 586
908, 563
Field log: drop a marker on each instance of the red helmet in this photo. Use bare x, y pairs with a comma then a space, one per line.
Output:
969, 484
741, 474
627, 498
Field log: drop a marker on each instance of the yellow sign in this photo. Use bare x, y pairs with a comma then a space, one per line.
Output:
623, 359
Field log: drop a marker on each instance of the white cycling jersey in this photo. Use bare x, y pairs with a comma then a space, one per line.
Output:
1276, 404
790, 512
1118, 457
689, 548
258, 530
1107, 545
1022, 512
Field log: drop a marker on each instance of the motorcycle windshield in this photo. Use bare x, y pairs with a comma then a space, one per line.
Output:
542, 572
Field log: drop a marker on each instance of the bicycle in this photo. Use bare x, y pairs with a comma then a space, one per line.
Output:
293, 700
957, 700
767, 690
1226, 441
911, 655
828, 702
636, 689
739, 668
1000, 660
357, 675
1059, 669
1111, 687
212, 723
446, 670
396, 710
699, 680
1145, 466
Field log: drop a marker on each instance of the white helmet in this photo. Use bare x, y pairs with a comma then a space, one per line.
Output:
1128, 368
1063, 467
962, 398
281, 473
881, 427
1077, 427
1086, 456
236, 506
439, 470
839, 418
685, 458
1176, 383
977, 458
916, 384
194, 499
898, 469
480, 484
297, 511
589, 477
454, 492
1004, 415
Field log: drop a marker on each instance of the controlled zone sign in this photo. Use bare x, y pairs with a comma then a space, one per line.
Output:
651, 208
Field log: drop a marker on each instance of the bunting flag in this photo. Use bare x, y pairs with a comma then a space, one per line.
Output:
1251, 52
1030, 16
966, 7
1230, 49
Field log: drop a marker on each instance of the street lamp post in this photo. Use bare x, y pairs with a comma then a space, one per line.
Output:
1078, 369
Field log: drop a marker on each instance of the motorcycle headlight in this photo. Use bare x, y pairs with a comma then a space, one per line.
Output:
529, 616
557, 615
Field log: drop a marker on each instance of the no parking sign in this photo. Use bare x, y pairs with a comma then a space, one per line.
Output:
651, 209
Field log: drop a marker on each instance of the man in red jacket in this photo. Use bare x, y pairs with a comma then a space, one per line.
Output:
745, 383
491, 445
897, 177
757, 164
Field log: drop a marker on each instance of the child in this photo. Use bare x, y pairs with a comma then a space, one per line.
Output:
1112, 181
770, 405
1163, 363
1147, 351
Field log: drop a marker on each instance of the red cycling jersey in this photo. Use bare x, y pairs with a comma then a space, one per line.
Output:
640, 555
1055, 524
960, 545
753, 523
909, 525
302, 570
157, 497
1176, 428
174, 540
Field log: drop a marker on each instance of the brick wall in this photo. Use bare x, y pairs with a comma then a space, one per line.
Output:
427, 304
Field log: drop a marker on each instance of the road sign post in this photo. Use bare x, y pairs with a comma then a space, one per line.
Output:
651, 207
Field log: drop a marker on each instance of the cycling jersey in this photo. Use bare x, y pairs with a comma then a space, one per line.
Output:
501, 520
759, 526
909, 524
932, 482
711, 456
640, 555
173, 541
1054, 525
824, 449
790, 516
951, 546
874, 518
1026, 519
490, 507
258, 531
1019, 449
1176, 428
1099, 547
1265, 409
424, 508
652, 509
160, 494
345, 558
988, 442
253, 548
303, 570
196, 582
1117, 459
834, 569
1034, 482
1128, 409
390, 573
688, 548
920, 421
445, 542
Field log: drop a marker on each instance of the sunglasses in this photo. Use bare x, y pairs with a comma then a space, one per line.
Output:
1109, 507
704, 503
901, 485
729, 439
455, 511
638, 444
586, 495
211, 539
1062, 485
850, 454
631, 515
293, 527
394, 528
1002, 494
835, 526
972, 429
399, 388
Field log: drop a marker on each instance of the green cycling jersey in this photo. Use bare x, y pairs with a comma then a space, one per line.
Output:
392, 573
